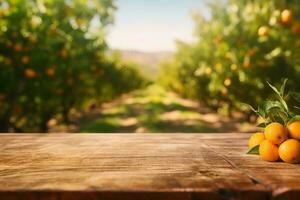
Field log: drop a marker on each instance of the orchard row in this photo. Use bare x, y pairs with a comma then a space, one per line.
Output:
241, 46
53, 61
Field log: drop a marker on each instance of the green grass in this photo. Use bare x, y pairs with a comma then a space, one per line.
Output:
147, 108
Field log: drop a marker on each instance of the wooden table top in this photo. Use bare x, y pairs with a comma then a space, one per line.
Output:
139, 166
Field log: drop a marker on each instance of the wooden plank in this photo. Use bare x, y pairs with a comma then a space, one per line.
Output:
282, 178
139, 166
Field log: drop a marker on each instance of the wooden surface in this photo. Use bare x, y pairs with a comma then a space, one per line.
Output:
139, 166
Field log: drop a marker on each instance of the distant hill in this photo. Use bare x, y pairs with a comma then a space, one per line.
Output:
149, 62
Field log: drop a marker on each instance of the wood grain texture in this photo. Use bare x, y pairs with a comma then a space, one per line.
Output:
139, 166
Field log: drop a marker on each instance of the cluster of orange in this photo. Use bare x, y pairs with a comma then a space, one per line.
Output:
278, 142
286, 19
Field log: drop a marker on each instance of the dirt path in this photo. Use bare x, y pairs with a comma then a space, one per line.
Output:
154, 110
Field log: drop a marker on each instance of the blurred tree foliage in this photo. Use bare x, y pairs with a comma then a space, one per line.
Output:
52, 60
240, 47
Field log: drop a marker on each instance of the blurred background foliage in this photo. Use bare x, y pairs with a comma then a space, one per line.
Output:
53, 61
237, 50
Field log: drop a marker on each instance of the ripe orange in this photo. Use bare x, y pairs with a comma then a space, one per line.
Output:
263, 31
63, 53
18, 47
251, 52
289, 151
296, 28
233, 67
227, 82
294, 130
25, 60
276, 133
268, 151
2, 97
33, 39
208, 71
30, 73
255, 139
224, 92
286, 16
247, 62
50, 71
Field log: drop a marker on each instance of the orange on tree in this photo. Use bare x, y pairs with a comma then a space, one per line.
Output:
256, 139
30, 73
247, 62
33, 39
208, 71
263, 31
289, 151
294, 130
224, 92
296, 28
18, 47
50, 71
286, 16
24, 60
2, 97
268, 151
233, 67
251, 52
63, 53
276, 133
227, 82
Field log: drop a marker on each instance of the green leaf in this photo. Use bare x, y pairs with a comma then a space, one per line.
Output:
261, 125
254, 150
282, 88
274, 88
295, 118
296, 96
249, 107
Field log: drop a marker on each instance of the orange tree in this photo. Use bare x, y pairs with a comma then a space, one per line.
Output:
238, 48
52, 56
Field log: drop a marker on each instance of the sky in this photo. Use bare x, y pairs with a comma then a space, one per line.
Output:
153, 25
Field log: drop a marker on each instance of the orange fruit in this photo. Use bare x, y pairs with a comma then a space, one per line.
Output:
289, 151
63, 53
294, 130
296, 28
233, 67
2, 97
227, 82
256, 139
50, 71
268, 151
25, 60
224, 92
33, 39
263, 31
30, 73
218, 39
247, 62
276, 133
18, 47
208, 71
251, 52
286, 16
